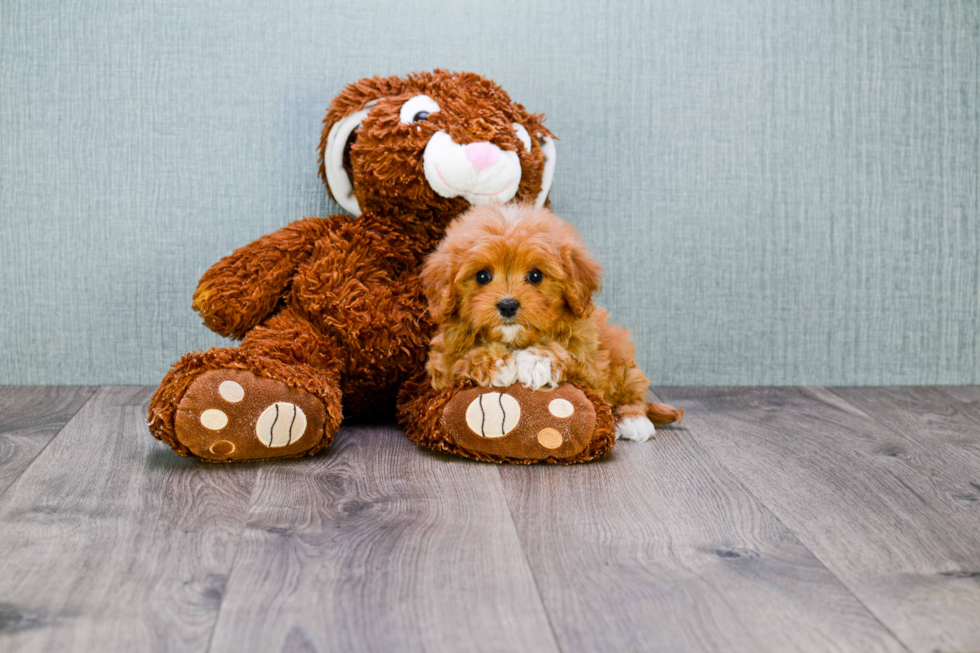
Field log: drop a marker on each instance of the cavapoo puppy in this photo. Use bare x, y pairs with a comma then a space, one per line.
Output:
510, 288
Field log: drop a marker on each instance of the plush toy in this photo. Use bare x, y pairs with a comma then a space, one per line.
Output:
330, 311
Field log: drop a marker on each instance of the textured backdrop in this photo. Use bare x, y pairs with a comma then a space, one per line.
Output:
781, 192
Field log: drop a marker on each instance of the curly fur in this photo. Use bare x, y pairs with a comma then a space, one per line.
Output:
333, 305
556, 335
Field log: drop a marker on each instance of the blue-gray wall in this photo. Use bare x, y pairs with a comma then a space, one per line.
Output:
781, 192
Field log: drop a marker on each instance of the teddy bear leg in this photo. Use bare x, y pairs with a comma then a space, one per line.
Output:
570, 424
253, 402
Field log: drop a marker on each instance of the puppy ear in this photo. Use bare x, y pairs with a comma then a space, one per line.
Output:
583, 277
437, 282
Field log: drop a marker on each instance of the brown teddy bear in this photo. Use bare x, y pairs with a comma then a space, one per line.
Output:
332, 316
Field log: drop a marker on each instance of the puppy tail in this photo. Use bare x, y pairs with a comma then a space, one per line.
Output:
662, 414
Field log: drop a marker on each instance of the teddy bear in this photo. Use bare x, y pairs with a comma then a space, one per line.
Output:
330, 311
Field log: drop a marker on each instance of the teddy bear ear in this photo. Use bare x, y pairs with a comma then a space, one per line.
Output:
548, 149
338, 181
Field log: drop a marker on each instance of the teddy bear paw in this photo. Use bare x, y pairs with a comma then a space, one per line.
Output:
234, 415
519, 424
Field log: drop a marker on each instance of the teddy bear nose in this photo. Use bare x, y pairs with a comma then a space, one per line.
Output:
508, 307
482, 155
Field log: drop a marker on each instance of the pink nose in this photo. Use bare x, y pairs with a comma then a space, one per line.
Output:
482, 155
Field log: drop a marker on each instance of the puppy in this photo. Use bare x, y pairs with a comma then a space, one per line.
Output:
510, 288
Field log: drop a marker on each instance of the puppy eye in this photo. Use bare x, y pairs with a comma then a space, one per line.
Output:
534, 277
417, 109
483, 277
523, 136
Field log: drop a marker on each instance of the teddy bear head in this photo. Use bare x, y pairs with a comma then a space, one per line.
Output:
429, 145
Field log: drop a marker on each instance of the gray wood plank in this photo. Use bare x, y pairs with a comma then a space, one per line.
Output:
660, 548
29, 418
381, 546
949, 429
968, 394
113, 543
872, 504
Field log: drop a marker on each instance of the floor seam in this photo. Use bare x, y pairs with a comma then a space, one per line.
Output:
97, 389
527, 561
707, 451
891, 429
234, 559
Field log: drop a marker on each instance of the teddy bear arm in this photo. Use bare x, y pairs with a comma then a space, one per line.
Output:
242, 289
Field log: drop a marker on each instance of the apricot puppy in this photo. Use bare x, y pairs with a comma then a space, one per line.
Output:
510, 288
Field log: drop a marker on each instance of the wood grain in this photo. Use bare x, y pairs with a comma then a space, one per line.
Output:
932, 420
112, 543
380, 546
29, 418
779, 519
872, 503
660, 548
967, 394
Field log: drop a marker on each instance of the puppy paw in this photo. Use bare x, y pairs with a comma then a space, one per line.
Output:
637, 429
504, 373
536, 371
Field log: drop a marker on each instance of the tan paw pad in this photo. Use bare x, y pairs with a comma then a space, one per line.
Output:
561, 408
493, 415
222, 448
231, 392
280, 424
550, 438
214, 419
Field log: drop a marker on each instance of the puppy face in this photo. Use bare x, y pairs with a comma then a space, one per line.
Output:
510, 273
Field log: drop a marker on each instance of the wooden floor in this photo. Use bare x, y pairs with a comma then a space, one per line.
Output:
777, 519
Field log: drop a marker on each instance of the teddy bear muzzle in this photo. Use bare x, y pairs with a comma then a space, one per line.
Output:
481, 173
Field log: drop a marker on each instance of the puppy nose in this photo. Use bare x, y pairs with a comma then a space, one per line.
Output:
482, 155
508, 307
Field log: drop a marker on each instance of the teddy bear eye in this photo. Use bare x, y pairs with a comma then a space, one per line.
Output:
523, 136
483, 277
417, 108
534, 277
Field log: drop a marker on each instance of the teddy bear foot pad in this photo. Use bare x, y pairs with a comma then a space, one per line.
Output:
516, 422
234, 415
